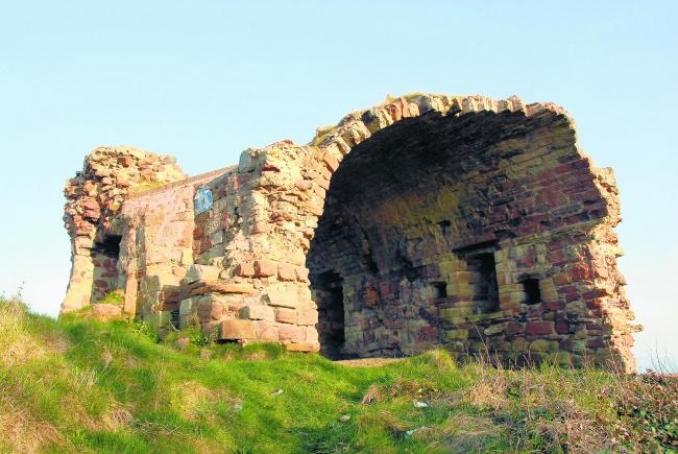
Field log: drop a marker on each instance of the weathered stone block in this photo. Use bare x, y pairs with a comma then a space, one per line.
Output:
457, 334
208, 309
540, 328
202, 273
312, 334
304, 347
237, 329
281, 298
244, 270
286, 272
496, 329
307, 317
265, 268
284, 315
186, 306
519, 345
301, 273
231, 288
543, 346
258, 312
292, 333
266, 330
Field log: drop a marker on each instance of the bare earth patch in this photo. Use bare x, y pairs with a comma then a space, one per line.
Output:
367, 362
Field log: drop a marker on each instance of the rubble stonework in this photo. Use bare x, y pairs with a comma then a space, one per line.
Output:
429, 220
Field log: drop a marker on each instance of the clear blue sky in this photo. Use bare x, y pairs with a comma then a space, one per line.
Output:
203, 80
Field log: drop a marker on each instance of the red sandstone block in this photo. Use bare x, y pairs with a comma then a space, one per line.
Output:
594, 327
595, 293
525, 262
237, 330
301, 273
210, 310
562, 278
595, 342
323, 182
562, 327
307, 318
372, 297
100, 283
330, 161
204, 245
286, 272
539, 328
225, 220
284, 315
513, 328
580, 272
266, 330
595, 304
566, 345
554, 305
245, 270
291, 333
394, 110
265, 268
570, 297
302, 185
198, 232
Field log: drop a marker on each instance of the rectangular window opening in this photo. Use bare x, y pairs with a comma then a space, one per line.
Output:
486, 290
439, 289
532, 292
481, 264
445, 228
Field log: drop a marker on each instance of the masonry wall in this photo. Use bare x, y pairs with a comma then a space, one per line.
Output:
429, 220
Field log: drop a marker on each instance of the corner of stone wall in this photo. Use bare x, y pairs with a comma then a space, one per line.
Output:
94, 198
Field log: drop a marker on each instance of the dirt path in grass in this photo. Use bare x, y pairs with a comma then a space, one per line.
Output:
367, 362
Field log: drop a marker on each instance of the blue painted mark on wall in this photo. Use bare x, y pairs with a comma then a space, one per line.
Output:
202, 201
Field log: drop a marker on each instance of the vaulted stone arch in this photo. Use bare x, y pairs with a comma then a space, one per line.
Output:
429, 220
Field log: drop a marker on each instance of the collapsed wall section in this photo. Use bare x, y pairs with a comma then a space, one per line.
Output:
428, 220
94, 198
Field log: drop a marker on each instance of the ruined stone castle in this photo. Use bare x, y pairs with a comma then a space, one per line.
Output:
469, 223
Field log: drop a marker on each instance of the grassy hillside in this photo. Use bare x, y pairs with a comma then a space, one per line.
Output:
82, 386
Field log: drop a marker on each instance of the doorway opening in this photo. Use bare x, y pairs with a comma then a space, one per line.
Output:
329, 297
105, 255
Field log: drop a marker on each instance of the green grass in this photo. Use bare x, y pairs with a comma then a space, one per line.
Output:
81, 386
115, 297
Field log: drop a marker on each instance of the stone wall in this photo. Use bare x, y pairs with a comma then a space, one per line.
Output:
94, 198
429, 220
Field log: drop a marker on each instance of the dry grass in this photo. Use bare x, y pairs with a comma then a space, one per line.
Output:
465, 433
194, 401
367, 362
16, 346
21, 430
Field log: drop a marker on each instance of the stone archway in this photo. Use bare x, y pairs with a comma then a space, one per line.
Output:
431, 225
